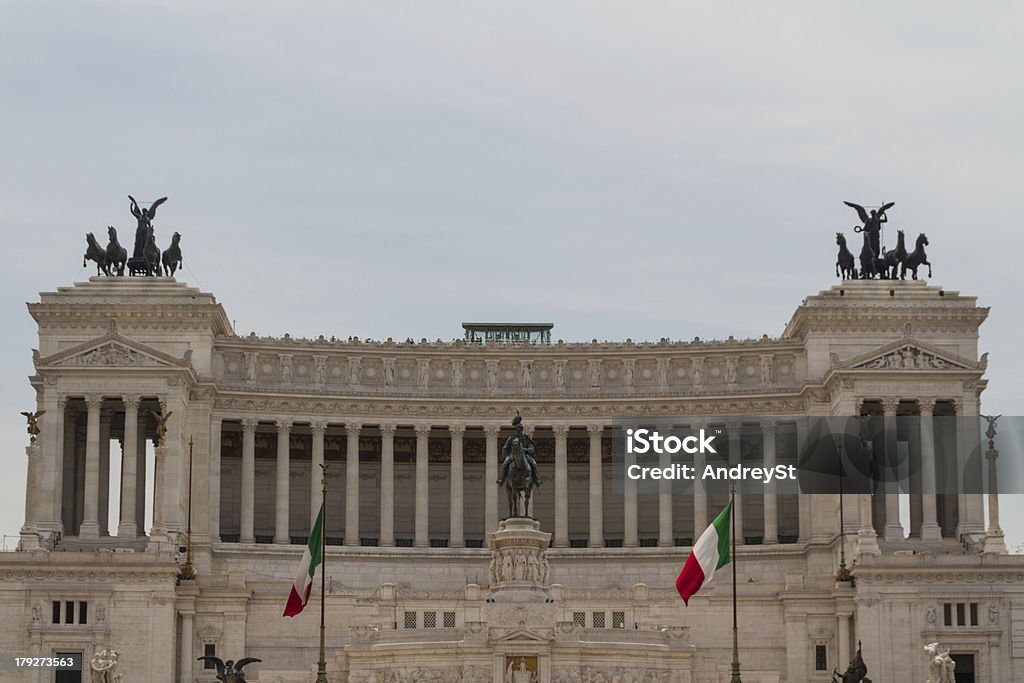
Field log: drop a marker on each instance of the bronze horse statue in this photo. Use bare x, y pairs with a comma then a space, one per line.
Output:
917, 258
172, 256
117, 255
867, 259
94, 252
520, 483
844, 261
894, 258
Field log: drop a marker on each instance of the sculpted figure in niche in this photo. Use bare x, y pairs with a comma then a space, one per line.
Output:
526, 376
559, 374
520, 566
250, 367
628, 371
492, 374
457, 374
663, 372
532, 567
320, 370
424, 373
506, 567
698, 371
389, 372
730, 370
766, 369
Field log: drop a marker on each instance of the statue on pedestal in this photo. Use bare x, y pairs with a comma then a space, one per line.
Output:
104, 666
33, 424
519, 469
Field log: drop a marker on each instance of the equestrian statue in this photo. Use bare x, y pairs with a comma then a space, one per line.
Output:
518, 470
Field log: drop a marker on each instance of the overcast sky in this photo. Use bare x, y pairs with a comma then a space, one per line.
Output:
638, 170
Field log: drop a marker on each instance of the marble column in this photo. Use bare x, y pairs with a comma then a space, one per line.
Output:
90, 527
283, 471
771, 508
596, 487
843, 638
352, 483
735, 432
491, 476
804, 499
422, 535
457, 502
316, 473
665, 534
104, 513
561, 433
213, 477
142, 474
127, 526
54, 451
387, 485
893, 526
187, 661
248, 507
930, 529
630, 535
700, 496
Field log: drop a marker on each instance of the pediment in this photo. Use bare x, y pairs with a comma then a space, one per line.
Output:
910, 354
114, 351
522, 635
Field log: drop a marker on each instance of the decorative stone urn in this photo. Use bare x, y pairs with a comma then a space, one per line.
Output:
519, 563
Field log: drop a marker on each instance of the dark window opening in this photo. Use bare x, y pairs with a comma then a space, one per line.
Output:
820, 658
209, 650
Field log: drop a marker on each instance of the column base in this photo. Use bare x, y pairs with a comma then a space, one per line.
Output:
867, 542
894, 532
127, 530
89, 530
995, 543
930, 531
28, 538
282, 541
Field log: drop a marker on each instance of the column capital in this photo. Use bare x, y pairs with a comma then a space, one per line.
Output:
491, 429
131, 402
733, 429
283, 425
769, 425
62, 402
561, 431
596, 430
890, 405
93, 401
422, 429
318, 428
387, 429
249, 424
958, 405
456, 429
926, 406
353, 427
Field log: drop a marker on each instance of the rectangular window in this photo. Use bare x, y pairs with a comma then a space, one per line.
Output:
56, 611
820, 658
410, 620
580, 619
598, 618
960, 616
947, 614
67, 675
974, 614
618, 620
449, 619
209, 650
430, 620
83, 612
69, 612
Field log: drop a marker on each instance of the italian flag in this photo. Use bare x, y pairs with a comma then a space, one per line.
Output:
311, 557
710, 552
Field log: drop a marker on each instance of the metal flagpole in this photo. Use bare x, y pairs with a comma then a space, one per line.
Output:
321, 666
735, 629
188, 572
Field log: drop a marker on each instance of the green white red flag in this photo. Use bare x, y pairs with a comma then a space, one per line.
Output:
710, 552
311, 557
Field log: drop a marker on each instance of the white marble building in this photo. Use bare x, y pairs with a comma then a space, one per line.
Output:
412, 591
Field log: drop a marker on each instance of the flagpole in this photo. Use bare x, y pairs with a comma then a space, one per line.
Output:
321, 665
735, 628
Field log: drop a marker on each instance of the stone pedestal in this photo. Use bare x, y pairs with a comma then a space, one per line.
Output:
519, 563
995, 543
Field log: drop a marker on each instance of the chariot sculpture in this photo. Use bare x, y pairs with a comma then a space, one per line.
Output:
873, 260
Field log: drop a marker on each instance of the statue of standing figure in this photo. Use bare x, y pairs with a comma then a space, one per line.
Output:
139, 263
104, 666
872, 222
